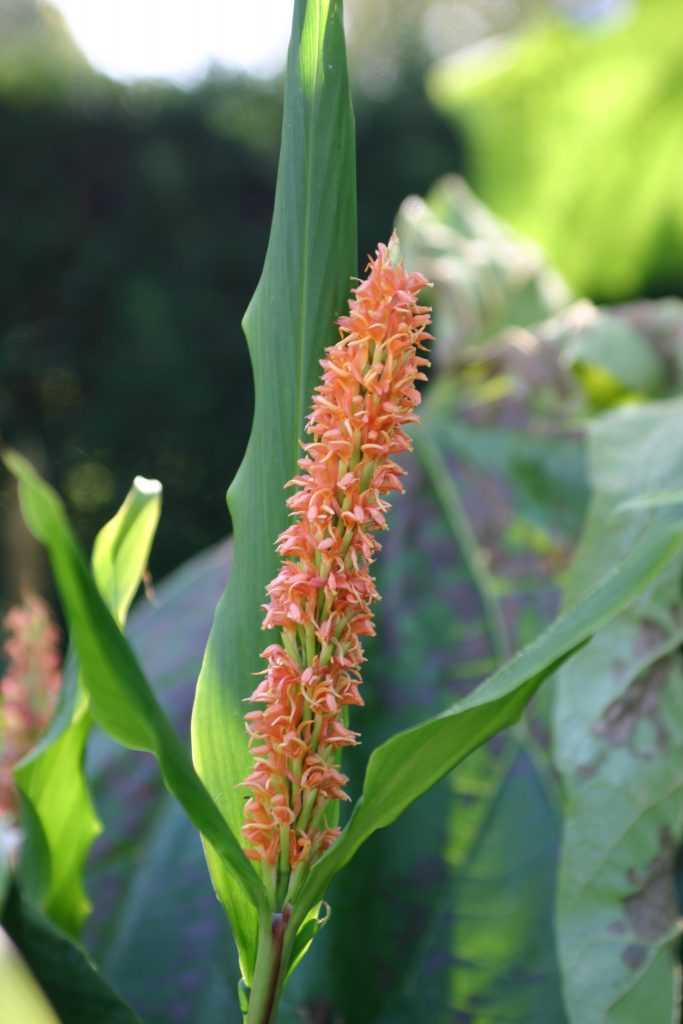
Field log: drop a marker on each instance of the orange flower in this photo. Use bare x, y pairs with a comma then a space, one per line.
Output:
29, 688
321, 599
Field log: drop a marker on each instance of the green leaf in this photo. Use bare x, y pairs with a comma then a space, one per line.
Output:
311, 256
20, 997
611, 357
121, 549
618, 745
147, 838
121, 699
74, 987
404, 767
660, 499
58, 816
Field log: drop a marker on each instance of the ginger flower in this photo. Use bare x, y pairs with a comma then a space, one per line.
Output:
28, 690
321, 599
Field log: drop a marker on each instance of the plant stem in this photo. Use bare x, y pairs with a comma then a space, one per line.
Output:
270, 969
448, 497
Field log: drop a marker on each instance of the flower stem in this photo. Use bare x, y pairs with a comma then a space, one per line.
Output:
270, 968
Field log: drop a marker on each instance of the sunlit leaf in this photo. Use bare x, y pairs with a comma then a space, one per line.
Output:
59, 819
75, 989
20, 997
595, 183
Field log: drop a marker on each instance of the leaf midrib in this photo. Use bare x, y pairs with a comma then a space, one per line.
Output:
302, 391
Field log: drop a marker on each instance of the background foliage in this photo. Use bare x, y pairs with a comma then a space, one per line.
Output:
572, 136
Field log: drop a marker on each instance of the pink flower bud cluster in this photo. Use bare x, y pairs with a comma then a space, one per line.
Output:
321, 599
29, 688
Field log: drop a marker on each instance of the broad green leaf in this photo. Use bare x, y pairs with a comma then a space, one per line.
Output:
75, 989
59, 819
619, 744
404, 767
20, 997
291, 319
120, 697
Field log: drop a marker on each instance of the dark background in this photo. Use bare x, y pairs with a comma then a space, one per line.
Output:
133, 226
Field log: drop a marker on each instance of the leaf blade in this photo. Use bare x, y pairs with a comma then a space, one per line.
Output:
74, 987
311, 255
121, 699
617, 744
60, 821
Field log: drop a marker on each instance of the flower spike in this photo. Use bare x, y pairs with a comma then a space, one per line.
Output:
28, 690
322, 597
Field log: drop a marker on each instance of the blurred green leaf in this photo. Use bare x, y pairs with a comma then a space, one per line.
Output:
121, 549
121, 699
291, 319
619, 744
77, 992
573, 130
611, 357
405, 766
659, 499
59, 819
486, 279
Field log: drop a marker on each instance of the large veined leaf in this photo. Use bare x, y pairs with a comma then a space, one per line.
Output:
75, 989
306, 278
121, 700
59, 820
619, 745
405, 766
